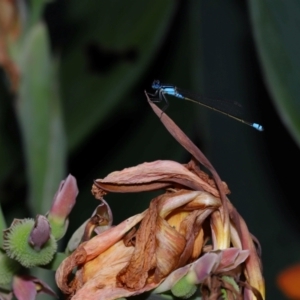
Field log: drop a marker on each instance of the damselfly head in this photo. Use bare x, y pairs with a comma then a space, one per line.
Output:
156, 84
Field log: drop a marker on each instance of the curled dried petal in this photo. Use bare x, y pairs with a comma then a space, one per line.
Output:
164, 241
151, 176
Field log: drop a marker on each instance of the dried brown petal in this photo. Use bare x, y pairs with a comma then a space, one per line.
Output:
151, 176
91, 249
164, 241
10, 29
253, 263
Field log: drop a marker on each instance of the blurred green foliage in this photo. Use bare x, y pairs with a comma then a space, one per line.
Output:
81, 107
275, 27
39, 114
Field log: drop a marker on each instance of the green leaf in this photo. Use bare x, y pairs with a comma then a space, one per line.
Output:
40, 118
276, 27
36, 10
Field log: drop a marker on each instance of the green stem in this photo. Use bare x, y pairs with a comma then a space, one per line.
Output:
37, 8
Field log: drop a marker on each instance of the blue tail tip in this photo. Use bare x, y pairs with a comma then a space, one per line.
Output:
258, 127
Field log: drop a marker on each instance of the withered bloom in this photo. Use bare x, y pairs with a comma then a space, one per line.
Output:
191, 233
11, 12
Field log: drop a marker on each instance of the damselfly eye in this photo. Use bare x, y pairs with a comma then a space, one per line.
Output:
156, 84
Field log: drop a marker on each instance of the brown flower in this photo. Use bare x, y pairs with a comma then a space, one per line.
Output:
10, 30
192, 226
